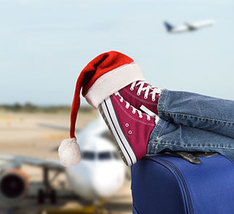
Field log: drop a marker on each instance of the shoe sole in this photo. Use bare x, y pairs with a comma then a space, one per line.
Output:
108, 113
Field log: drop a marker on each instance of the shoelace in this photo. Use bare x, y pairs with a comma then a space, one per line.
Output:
134, 110
154, 90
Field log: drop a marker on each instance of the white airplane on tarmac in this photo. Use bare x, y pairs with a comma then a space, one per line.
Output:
100, 173
187, 26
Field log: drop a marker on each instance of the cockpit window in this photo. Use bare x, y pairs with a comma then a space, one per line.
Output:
104, 155
88, 155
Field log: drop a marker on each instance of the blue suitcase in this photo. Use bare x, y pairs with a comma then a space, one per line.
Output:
167, 184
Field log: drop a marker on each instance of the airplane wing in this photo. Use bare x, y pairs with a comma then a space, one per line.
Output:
44, 163
191, 26
52, 126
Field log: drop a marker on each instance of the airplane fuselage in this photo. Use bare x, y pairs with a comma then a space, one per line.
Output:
188, 27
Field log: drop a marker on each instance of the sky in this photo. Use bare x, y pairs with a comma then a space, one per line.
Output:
44, 44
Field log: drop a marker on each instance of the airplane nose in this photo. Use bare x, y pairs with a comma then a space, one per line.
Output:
106, 187
102, 189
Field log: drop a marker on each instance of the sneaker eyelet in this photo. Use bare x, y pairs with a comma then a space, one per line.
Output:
153, 99
126, 124
138, 94
131, 89
130, 132
148, 119
145, 97
133, 112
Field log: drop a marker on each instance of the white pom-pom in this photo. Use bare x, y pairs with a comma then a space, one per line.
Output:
69, 152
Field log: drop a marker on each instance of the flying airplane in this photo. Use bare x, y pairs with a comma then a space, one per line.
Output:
99, 174
187, 26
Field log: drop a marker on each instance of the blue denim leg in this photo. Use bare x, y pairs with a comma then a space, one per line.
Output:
177, 137
197, 111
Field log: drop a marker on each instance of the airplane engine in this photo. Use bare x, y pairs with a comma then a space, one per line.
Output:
14, 185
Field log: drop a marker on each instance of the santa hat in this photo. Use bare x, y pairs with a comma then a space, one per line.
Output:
103, 76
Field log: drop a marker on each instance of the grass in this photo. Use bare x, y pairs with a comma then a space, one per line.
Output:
31, 108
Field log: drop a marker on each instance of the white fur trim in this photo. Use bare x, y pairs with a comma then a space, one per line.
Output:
113, 81
69, 152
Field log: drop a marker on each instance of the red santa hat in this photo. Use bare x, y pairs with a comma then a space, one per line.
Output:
101, 77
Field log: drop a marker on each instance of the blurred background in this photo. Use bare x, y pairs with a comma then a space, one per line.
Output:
43, 47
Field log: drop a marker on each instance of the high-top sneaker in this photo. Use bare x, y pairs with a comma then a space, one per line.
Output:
142, 96
130, 127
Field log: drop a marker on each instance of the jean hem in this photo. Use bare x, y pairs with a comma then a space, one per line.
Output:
154, 136
162, 102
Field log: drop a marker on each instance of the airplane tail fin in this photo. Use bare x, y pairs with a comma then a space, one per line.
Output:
168, 26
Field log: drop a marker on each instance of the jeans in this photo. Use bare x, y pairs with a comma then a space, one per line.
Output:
193, 122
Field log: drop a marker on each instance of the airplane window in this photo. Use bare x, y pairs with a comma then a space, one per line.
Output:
116, 155
104, 155
88, 155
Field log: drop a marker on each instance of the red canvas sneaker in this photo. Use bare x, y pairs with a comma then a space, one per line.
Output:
142, 96
130, 127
